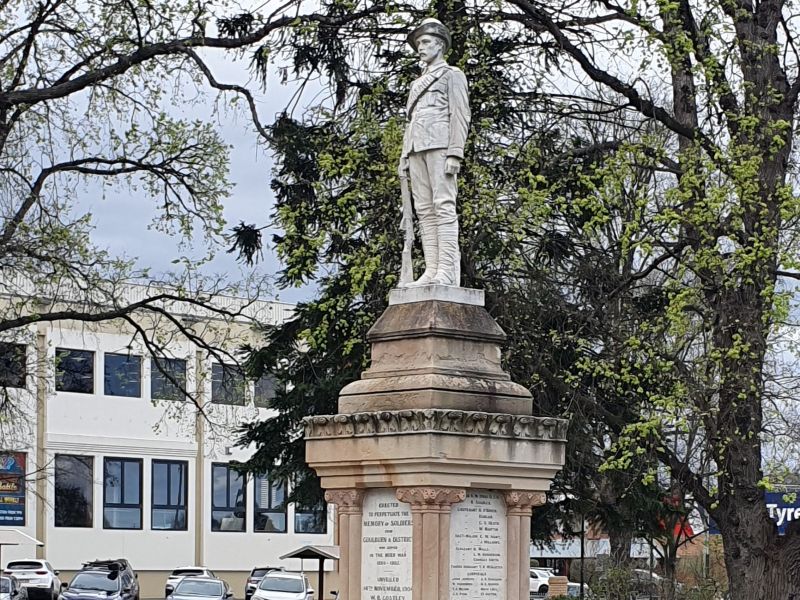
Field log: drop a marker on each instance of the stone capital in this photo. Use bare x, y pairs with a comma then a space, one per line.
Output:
431, 499
346, 500
521, 503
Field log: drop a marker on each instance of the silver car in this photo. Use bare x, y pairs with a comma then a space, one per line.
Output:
281, 585
9, 588
201, 588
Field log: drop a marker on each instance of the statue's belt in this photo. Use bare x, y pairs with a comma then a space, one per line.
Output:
423, 85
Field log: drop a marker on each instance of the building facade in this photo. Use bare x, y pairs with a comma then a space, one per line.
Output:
118, 462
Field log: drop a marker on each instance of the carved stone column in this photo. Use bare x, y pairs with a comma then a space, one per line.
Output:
519, 508
348, 510
430, 515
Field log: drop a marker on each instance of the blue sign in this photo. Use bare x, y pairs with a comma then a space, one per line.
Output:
783, 508
12, 489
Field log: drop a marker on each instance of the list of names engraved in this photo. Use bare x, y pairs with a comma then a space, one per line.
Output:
385, 547
478, 547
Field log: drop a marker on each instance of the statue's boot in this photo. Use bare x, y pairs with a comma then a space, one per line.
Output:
430, 249
448, 271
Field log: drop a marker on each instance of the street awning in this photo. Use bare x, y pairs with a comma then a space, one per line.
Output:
323, 552
14, 537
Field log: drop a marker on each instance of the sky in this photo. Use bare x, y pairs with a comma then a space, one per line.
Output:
121, 218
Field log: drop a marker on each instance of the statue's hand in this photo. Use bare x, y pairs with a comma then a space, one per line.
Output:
452, 165
402, 167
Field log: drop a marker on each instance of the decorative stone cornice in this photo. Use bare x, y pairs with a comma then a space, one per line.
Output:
522, 503
453, 422
347, 500
428, 498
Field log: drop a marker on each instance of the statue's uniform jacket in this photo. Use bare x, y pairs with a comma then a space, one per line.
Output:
438, 113
438, 122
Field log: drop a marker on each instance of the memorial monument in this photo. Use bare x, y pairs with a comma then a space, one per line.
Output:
434, 461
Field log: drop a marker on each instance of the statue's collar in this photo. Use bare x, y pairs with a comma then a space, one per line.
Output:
435, 67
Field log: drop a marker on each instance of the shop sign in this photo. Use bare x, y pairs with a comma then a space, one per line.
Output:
12, 489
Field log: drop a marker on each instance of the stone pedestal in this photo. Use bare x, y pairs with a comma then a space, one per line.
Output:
434, 462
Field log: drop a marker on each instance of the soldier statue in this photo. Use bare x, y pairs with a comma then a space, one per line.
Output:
433, 147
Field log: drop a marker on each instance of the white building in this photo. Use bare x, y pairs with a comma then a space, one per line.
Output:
119, 464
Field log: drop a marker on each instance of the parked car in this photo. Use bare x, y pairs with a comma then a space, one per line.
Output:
117, 569
9, 588
255, 577
105, 580
574, 590
36, 577
178, 574
283, 585
201, 588
540, 580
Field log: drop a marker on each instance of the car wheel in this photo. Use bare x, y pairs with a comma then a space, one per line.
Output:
543, 589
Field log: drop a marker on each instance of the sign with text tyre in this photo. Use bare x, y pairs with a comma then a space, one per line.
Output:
12, 489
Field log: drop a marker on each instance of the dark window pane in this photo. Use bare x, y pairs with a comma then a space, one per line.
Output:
310, 520
269, 505
227, 384
264, 391
123, 375
74, 371
73, 489
169, 518
228, 499
227, 520
167, 378
235, 489
12, 365
169, 494
122, 518
133, 480
220, 483
160, 483
122, 499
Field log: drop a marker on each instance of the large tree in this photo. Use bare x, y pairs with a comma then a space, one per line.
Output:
712, 244
96, 96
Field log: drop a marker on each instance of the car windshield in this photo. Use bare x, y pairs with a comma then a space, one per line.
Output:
5, 585
259, 572
103, 582
187, 572
198, 587
24, 566
281, 584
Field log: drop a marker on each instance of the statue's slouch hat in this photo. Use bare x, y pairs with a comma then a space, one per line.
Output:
430, 27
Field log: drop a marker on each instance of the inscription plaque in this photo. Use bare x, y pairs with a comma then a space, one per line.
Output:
478, 547
385, 547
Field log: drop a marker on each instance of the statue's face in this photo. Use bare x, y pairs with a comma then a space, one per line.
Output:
429, 48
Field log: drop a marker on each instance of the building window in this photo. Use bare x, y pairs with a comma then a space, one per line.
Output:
311, 519
269, 505
122, 493
123, 375
228, 499
74, 488
264, 391
74, 371
227, 384
167, 378
170, 488
13, 367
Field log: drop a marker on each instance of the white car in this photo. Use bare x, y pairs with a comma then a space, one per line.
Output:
540, 581
178, 574
35, 576
9, 588
281, 585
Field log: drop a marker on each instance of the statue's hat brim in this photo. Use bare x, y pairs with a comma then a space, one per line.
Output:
430, 27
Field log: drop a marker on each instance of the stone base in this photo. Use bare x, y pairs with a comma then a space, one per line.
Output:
434, 543
435, 354
444, 293
435, 447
